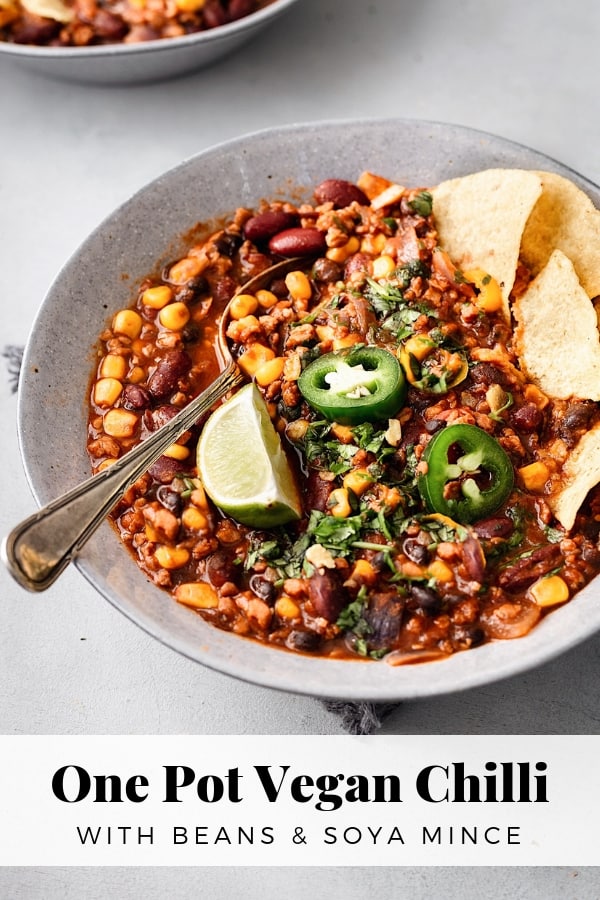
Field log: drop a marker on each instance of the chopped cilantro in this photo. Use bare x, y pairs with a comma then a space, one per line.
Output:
422, 204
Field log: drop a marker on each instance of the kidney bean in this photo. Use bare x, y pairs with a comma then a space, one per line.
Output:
109, 26
525, 571
495, 526
237, 9
156, 418
339, 192
298, 242
223, 290
317, 491
165, 469
465, 636
35, 31
263, 226
327, 594
214, 14
527, 418
359, 262
473, 558
169, 370
135, 397
327, 271
486, 373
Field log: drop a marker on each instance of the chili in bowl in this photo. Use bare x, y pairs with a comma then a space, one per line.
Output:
425, 532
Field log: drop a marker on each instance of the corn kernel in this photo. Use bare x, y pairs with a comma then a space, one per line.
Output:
549, 591
193, 519
363, 572
440, 571
151, 533
343, 433
175, 316
532, 394
339, 504
127, 322
119, 423
286, 608
104, 465
383, 266
270, 371
198, 594
136, 375
107, 391
325, 332
254, 357
534, 476
358, 481
298, 285
187, 268
348, 341
373, 244
198, 497
341, 254
177, 451
489, 298
243, 305
419, 346
266, 299
113, 366
189, 5
171, 557
157, 297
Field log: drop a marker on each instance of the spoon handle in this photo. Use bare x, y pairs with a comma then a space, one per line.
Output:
41, 547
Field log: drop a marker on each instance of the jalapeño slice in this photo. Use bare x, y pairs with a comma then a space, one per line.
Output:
469, 475
363, 384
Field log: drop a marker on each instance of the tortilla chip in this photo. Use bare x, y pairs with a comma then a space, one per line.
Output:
556, 338
564, 218
581, 473
480, 220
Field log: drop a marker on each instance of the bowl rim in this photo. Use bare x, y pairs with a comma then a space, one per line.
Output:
221, 33
538, 649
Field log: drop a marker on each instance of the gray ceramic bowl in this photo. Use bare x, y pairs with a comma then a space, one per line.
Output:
90, 288
147, 61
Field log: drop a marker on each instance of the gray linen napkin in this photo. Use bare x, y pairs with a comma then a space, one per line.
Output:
355, 718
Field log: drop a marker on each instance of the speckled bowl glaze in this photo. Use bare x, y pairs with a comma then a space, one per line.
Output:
90, 287
147, 61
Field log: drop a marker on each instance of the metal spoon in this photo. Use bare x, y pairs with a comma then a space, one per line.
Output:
38, 550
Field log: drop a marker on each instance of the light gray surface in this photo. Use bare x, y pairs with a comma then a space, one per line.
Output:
68, 156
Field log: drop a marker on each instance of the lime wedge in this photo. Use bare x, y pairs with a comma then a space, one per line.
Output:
243, 466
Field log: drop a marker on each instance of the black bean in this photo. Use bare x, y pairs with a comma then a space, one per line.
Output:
425, 598
227, 243
263, 588
169, 498
327, 270
415, 551
384, 617
303, 640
